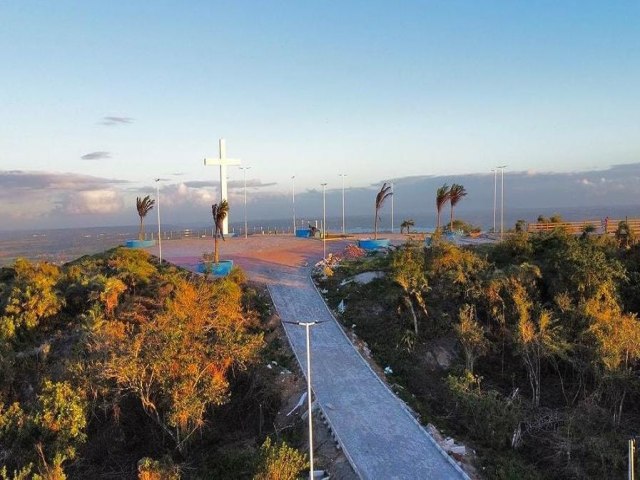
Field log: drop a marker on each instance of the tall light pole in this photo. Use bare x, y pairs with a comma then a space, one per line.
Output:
501, 167
324, 221
158, 210
293, 194
244, 174
306, 325
392, 195
495, 194
343, 228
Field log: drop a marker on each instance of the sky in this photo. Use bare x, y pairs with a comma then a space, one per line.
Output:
97, 99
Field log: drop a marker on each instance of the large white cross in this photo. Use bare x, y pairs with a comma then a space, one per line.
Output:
223, 162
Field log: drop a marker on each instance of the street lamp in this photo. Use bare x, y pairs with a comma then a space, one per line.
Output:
324, 221
343, 228
157, 180
501, 167
495, 194
293, 193
244, 174
392, 195
306, 325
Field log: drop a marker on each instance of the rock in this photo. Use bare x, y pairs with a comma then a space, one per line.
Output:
367, 277
388, 370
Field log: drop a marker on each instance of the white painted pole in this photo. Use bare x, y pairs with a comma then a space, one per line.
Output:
293, 193
495, 194
343, 224
324, 221
309, 402
392, 195
158, 210
502, 204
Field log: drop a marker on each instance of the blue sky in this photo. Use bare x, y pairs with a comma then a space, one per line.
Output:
376, 90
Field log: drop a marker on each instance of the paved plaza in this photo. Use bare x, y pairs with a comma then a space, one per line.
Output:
379, 436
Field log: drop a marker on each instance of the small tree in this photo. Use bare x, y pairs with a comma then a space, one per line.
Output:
471, 335
384, 193
408, 270
442, 197
279, 462
144, 206
219, 212
456, 193
406, 224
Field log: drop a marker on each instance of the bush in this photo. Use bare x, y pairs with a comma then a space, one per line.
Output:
280, 462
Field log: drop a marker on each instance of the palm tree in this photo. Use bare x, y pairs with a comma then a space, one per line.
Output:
219, 212
144, 205
456, 193
442, 196
407, 224
382, 195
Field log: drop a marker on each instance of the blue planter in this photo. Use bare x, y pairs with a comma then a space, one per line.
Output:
303, 232
371, 244
139, 243
220, 269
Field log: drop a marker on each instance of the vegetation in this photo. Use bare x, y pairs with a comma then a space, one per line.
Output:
406, 225
442, 197
116, 366
456, 193
544, 332
144, 206
219, 212
384, 193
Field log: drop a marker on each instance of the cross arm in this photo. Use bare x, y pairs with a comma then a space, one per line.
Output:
221, 161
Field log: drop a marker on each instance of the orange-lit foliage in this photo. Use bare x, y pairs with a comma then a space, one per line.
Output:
177, 362
31, 299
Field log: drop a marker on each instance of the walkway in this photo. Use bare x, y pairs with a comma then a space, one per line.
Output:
378, 435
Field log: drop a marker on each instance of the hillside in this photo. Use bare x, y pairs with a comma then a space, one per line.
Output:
114, 366
528, 350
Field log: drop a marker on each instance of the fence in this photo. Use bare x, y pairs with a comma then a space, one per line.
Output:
608, 226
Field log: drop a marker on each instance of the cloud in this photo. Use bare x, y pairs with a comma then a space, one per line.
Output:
253, 183
95, 202
110, 121
96, 156
38, 195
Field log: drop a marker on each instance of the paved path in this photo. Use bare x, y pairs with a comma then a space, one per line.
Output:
378, 435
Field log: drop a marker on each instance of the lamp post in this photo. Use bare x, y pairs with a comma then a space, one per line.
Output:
324, 221
501, 167
392, 195
158, 210
343, 227
306, 325
495, 194
293, 195
244, 174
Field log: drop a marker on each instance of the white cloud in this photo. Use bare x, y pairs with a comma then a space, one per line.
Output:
97, 202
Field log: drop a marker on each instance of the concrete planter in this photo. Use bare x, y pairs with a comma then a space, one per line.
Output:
220, 269
371, 244
303, 232
139, 243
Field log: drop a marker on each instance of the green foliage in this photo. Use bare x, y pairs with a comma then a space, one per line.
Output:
487, 415
143, 206
132, 266
553, 318
280, 462
408, 271
176, 363
471, 335
164, 469
111, 359
32, 298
